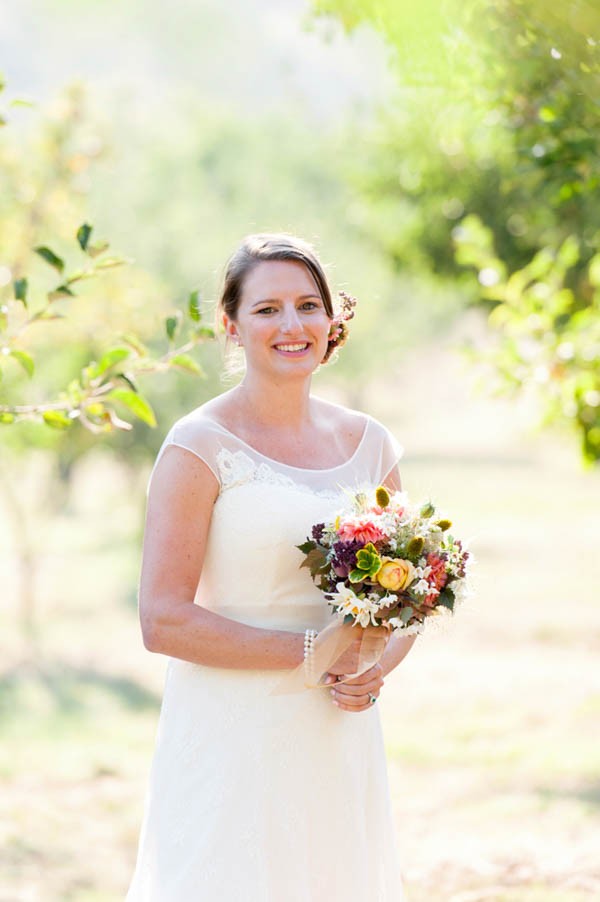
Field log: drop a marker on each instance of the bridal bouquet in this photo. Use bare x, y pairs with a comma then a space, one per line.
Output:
385, 562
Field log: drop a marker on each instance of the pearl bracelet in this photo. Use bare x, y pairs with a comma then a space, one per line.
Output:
309, 640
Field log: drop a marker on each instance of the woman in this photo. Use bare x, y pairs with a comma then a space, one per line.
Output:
256, 796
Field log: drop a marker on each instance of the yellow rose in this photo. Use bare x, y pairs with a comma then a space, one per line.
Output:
395, 574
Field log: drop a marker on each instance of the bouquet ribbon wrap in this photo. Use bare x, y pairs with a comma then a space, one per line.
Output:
330, 644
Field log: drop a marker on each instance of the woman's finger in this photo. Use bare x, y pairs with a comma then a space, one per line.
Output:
344, 689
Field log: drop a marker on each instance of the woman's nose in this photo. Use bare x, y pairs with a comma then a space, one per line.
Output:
290, 320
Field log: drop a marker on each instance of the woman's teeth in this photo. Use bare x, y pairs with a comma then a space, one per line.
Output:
291, 347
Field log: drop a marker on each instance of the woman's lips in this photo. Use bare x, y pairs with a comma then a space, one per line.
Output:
292, 349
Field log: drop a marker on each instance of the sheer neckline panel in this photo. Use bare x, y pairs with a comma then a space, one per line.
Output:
281, 463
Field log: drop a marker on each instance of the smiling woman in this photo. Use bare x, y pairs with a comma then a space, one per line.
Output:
283, 780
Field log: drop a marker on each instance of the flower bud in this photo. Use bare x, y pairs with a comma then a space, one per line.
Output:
382, 496
415, 546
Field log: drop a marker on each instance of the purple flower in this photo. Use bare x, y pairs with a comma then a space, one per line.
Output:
344, 557
317, 532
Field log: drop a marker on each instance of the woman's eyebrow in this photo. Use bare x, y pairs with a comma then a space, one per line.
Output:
301, 297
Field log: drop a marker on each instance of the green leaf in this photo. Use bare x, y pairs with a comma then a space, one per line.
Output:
306, 546
94, 250
357, 576
25, 359
129, 380
406, 614
185, 362
134, 342
6, 417
205, 332
194, 306
62, 291
171, 324
56, 419
83, 235
109, 262
20, 289
50, 257
135, 403
446, 598
315, 561
110, 358
21, 101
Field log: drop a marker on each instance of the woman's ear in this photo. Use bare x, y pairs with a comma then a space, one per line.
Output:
231, 331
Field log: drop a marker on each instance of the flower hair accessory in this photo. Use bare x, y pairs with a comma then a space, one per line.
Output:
338, 331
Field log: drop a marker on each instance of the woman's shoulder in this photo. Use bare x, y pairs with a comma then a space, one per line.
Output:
349, 419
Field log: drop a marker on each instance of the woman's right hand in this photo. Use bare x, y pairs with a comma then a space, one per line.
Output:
348, 661
366, 640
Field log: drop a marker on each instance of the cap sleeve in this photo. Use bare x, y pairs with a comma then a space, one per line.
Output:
194, 434
386, 453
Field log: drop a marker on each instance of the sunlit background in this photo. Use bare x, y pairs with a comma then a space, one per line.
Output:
443, 158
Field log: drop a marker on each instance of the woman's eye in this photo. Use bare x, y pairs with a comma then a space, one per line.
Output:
310, 305
265, 310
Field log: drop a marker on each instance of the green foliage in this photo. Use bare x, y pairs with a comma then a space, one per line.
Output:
368, 563
32, 306
492, 143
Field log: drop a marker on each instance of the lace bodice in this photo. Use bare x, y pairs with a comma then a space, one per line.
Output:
264, 509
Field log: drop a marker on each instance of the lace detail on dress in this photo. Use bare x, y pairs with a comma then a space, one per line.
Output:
237, 468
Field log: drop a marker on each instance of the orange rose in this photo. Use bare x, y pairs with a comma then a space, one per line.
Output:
395, 574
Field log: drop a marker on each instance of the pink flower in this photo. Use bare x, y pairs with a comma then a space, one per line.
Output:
437, 577
360, 529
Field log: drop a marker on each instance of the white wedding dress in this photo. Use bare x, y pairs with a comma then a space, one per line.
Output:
256, 797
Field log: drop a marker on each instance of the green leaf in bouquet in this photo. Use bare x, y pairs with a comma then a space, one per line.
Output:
406, 614
50, 257
348, 618
315, 561
446, 598
368, 560
357, 576
306, 546
428, 510
444, 524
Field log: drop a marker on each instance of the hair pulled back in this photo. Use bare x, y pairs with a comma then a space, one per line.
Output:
274, 246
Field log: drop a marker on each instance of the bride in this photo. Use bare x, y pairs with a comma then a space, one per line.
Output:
256, 796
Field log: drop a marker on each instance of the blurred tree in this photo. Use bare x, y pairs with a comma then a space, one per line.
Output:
58, 331
493, 142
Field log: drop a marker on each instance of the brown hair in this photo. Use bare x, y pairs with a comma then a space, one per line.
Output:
272, 246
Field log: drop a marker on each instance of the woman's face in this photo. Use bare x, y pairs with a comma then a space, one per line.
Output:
281, 320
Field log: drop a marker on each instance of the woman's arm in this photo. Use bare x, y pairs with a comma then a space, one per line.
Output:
182, 494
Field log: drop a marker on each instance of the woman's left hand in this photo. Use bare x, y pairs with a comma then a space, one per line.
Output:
354, 694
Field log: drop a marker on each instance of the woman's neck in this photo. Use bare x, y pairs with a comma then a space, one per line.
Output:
271, 404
